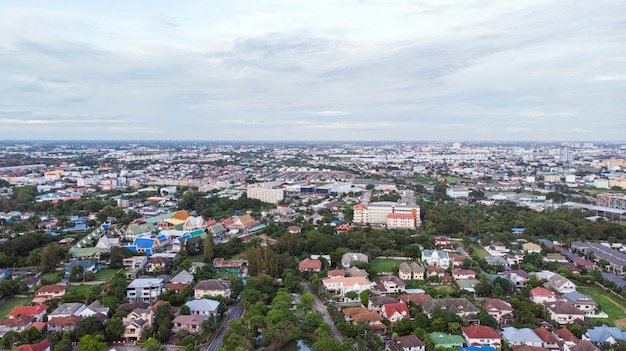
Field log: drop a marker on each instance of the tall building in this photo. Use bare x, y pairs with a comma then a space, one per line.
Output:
611, 200
264, 194
390, 214
565, 155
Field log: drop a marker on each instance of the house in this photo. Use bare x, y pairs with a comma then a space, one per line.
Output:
564, 312
350, 312
31, 282
84, 266
106, 242
93, 309
341, 286
310, 265
496, 261
415, 298
583, 302
373, 319
555, 257
63, 324
436, 258
604, 335
463, 274
457, 260
481, 335
390, 284
183, 277
203, 307
432, 271
356, 272
531, 248
144, 289
336, 273
549, 340
17, 324
560, 284
460, 306
67, 309
413, 271
42, 346
500, 310
174, 287
156, 264
447, 341
376, 302
350, 258
135, 322
212, 288
191, 323
395, 312
406, 343
581, 345
49, 292
515, 336
443, 242
34, 312
496, 249
541, 295
518, 278
134, 262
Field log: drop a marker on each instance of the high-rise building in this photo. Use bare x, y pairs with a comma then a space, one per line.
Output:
565, 155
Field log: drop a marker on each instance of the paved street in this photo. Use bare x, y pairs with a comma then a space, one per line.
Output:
321, 307
234, 313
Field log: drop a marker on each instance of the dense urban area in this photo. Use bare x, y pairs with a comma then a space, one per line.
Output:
312, 246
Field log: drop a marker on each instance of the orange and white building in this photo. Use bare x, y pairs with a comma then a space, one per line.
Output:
402, 216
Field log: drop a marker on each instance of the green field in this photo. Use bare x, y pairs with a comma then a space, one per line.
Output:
13, 302
78, 289
51, 276
479, 251
105, 274
614, 306
197, 258
385, 265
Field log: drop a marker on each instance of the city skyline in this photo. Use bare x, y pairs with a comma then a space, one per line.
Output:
313, 71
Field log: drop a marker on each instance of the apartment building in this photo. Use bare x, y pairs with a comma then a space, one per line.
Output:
612, 200
144, 289
265, 194
379, 213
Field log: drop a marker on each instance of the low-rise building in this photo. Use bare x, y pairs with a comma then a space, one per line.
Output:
212, 288
144, 289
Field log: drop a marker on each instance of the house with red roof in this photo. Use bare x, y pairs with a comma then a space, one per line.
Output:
481, 335
63, 324
42, 346
17, 324
549, 340
442, 242
310, 265
34, 312
395, 312
49, 292
541, 295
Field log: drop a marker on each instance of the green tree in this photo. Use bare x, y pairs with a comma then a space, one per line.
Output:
184, 310
364, 296
209, 247
404, 327
153, 344
31, 335
91, 343
114, 328
89, 326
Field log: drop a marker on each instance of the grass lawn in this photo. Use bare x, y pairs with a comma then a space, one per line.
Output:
105, 274
479, 251
196, 258
385, 265
78, 289
51, 276
13, 302
614, 306
452, 180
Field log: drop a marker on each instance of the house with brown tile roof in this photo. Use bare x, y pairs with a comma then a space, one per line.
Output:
61, 324
336, 273
49, 292
415, 298
212, 288
174, 287
190, 323
17, 324
549, 340
390, 284
42, 346
406, 343
310, 265
564, 312
501, 310
581, 345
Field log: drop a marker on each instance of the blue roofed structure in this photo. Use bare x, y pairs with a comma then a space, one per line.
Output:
477, 348
604, 334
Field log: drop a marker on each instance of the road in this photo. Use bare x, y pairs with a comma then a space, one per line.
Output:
321, 307
234, 313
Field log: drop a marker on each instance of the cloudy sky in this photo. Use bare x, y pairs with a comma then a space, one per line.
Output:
313, 70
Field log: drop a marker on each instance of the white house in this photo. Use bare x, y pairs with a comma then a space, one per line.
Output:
436, 258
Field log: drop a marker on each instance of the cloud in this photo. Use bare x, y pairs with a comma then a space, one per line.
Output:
269, 69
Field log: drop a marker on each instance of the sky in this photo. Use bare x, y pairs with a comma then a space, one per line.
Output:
290, 70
